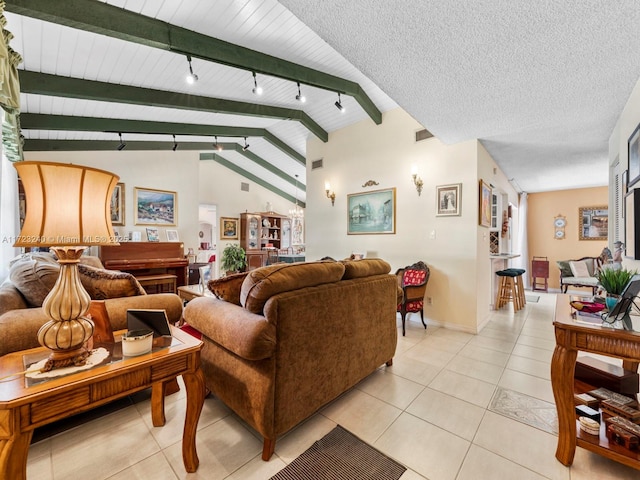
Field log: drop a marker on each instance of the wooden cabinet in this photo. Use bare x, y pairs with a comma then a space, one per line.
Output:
260, 232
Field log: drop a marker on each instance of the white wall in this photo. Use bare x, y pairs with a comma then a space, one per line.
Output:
451, 246
173, 171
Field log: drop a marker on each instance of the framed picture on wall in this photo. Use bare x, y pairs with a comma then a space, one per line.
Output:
448, 199
155, 207
633, 146
228, 228
593, 223
484, 204
371, 212
117, 205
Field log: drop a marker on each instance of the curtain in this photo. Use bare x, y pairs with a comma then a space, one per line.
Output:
9, 213
9, 93
523, 245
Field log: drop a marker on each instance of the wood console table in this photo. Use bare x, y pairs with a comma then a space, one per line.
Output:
23, 408
571, 337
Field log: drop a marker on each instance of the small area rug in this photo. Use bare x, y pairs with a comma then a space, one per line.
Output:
532, 298
340, 455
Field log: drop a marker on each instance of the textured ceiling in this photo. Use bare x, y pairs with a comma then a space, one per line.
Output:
541, 83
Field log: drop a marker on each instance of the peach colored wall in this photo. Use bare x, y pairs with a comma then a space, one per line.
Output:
543, 208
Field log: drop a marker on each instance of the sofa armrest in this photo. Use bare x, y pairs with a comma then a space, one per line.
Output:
246, 334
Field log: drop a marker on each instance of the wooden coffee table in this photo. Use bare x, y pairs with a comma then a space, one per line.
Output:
24, 408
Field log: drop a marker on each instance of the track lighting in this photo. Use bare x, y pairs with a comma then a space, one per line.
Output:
300, 97
217, 146
175, 144
256, 89
246, 145
338, 104
122, 144
191, 77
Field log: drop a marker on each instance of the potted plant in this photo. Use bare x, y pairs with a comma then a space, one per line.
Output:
614, 281
233, 258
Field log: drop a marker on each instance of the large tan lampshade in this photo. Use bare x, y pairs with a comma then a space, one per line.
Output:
68, 208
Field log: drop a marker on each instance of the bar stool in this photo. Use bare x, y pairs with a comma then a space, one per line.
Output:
519, 285
507, 290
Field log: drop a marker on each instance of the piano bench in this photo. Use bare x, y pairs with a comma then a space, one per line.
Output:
161, 283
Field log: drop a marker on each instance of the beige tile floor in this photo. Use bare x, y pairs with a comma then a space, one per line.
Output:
429, 411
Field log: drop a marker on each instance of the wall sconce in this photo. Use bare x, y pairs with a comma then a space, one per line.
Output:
417, 181
330, 194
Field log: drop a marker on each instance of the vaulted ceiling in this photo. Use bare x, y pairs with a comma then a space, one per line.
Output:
539, 83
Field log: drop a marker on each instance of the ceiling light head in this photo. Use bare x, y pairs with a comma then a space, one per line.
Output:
191, 77
299, 97
175, 144
338, 104
122, 144
216, 145
256, 89
246, 145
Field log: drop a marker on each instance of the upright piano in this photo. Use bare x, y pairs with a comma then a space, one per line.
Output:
147, 259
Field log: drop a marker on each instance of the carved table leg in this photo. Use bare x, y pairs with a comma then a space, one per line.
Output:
14, 447
194, 385
562, 370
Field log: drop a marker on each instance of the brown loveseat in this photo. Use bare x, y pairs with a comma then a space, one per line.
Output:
21, 314
303, 334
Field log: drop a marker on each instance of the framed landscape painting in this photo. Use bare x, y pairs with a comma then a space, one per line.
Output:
155, 207
372, 212
594, 223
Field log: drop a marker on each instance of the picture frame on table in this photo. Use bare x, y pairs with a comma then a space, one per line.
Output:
117, 205
484, 204
633, 150
228, 228
205, 276
155, 207
448, 198
172, 236
152, 234
372, 212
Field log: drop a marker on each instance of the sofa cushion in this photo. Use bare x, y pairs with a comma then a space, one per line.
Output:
35, 274
228, 288
365, 267
565, 269
579, 269
263, 283
102, 284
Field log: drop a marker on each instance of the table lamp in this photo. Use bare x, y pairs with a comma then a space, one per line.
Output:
68, 209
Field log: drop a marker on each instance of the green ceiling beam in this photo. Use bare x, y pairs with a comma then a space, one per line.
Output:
35, 121
109, 20
250, 176
68, 87
37, 145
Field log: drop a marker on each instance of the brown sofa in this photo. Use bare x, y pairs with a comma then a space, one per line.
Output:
303, 334
21, 313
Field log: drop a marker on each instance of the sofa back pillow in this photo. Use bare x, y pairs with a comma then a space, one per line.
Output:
103, 284
365, 267
580, 269
228, 288
263, 283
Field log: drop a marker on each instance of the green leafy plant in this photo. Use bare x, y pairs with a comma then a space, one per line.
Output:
234, 258
614, 281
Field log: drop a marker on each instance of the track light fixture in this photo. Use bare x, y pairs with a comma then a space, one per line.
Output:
191, 77
246, 145
300, 97
175, 144
338, 104
216, 145
256, 89
122, 144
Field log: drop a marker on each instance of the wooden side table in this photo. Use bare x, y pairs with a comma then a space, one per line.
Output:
570, 338
24, 408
